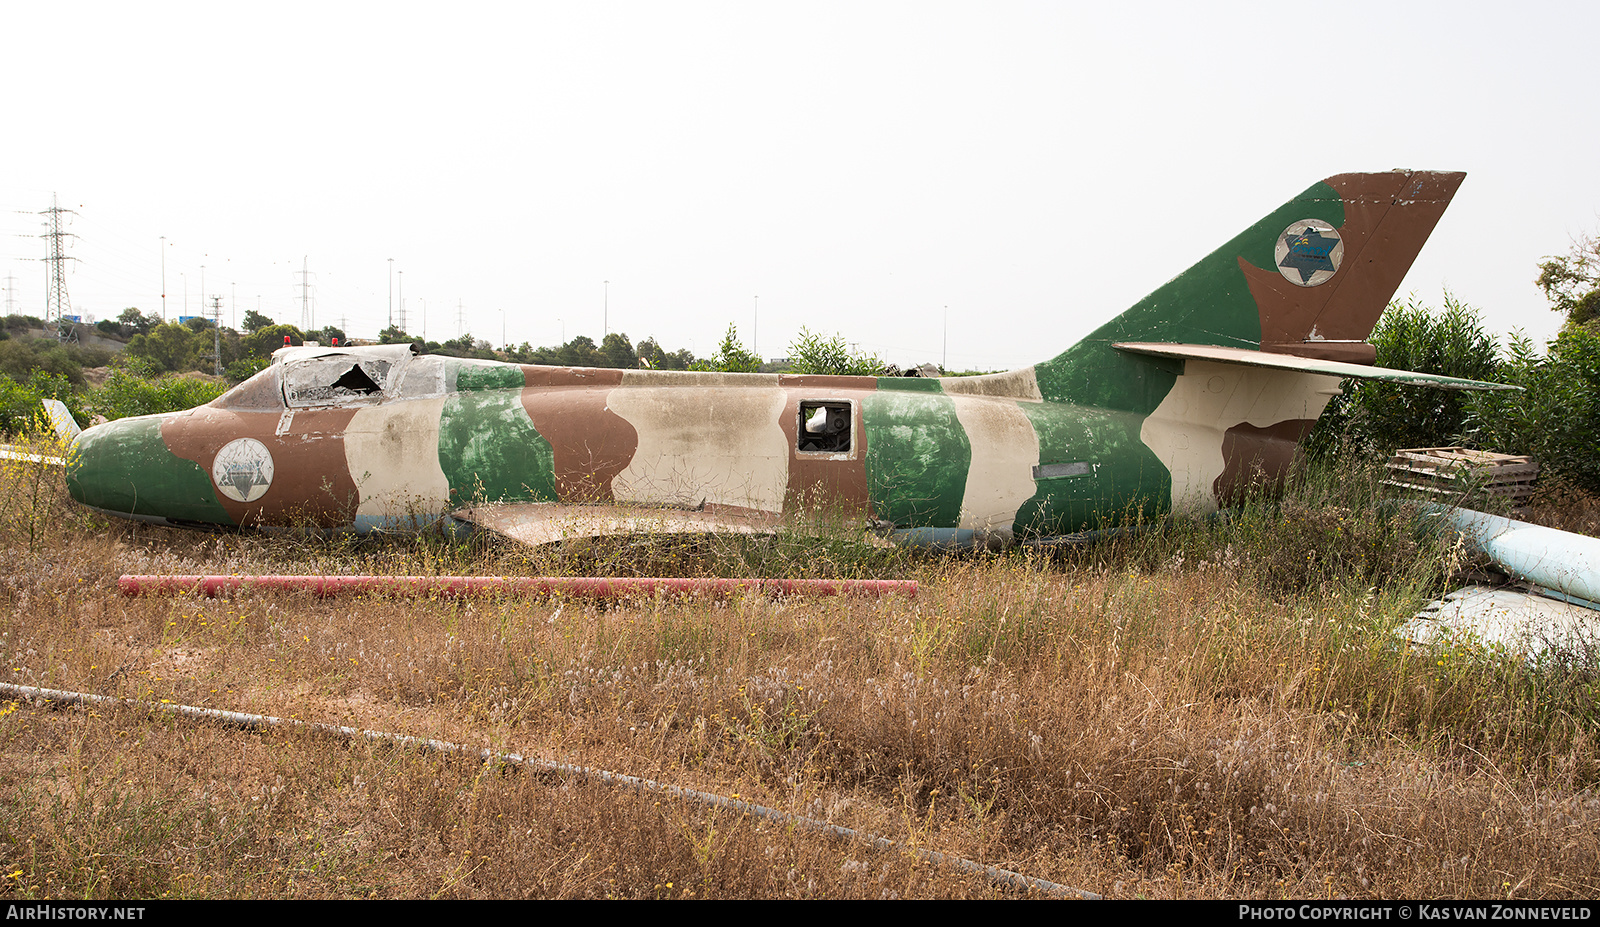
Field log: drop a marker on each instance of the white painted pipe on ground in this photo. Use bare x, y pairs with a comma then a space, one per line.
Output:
1557, 560
263, 722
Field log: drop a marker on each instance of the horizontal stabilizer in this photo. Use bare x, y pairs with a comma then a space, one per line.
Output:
66, 429
537, 523
1248, 358
61, 420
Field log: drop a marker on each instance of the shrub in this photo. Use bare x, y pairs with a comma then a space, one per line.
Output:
1379, 416
1556, 416
811, 353
126, 394
20, 409
731, 356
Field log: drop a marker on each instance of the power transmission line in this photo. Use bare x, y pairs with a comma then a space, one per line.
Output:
305, 294
216, 332
56, 305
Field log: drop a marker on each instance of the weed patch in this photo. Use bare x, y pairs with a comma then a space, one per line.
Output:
1215, 707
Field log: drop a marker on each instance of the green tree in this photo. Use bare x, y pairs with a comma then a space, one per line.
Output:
19, 400
264, 341
579, 352
125, 394
21, 357
394, 335
255, 321
811, 353
169, 347
133, 322
617, 351
20, 324
468, 346
1572, 283
651, 352
243, 368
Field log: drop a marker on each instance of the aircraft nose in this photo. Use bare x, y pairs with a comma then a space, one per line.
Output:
124, 467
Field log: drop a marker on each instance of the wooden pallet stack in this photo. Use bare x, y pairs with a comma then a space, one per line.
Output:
1458, 476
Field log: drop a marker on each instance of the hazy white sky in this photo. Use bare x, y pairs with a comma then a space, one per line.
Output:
1035, 167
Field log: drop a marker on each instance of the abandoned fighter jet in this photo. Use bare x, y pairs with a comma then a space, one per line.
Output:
1182, 400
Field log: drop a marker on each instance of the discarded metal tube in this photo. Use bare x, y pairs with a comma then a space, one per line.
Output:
1559, 560
455, 586
266, 722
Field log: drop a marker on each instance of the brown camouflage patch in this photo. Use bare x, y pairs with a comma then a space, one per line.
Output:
1387, 219
312, 480
1257, 459
591, 444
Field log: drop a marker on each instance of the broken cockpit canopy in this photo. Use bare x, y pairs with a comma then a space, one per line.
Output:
338, 379
308, 377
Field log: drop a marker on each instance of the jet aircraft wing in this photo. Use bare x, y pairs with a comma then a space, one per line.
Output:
1251, 358
537, 523
13, 452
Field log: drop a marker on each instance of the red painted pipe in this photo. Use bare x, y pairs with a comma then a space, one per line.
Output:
580, 586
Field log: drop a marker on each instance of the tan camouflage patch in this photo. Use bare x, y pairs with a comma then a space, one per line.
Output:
715, 445
1187, 430
392, 453
1004, 452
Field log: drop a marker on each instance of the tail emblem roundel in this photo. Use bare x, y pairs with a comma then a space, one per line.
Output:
243, 470
1309, 252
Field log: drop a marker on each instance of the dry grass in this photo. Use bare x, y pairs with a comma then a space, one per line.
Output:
1195, 714
1559, 504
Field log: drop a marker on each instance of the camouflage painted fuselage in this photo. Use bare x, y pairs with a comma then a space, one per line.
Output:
377, 438
956, 453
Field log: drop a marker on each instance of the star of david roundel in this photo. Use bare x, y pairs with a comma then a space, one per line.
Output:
1309, 252
243, 470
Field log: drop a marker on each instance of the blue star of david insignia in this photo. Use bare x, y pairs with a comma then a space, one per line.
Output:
245, 477
1308, 253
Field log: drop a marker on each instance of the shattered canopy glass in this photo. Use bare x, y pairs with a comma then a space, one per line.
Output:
335, 379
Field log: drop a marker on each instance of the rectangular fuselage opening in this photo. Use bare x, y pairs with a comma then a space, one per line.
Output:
827, 426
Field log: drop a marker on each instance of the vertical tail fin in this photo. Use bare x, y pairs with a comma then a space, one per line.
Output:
1387, 219
1311, 278
61, 420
